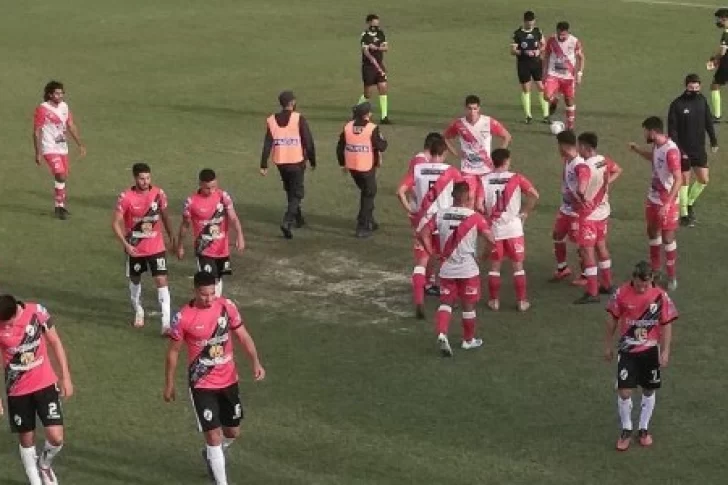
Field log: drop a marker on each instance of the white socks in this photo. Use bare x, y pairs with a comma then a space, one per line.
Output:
218, 288
226, 442
625, 412
647, 406
217, 462
49, 452
164, 305
28, 457
135, 295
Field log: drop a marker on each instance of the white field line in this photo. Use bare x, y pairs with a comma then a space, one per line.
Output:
671, 3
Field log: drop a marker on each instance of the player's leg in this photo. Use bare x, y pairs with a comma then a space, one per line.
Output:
419, 280
300, 191
588, 255
650, 380
158, 268
366, 212
294, 204
134, 269
224, 268
289, 216
670, 245
494, 275
231, 415
214, 267
627, 379
559, 234
382, 88
369, 81
568, 88
448, 296
683, 195
541, 98
48, 404
58, 165
550, 96
700, 168
469, 294
523, 70
206, 403
604, 258
21, 413
654, 236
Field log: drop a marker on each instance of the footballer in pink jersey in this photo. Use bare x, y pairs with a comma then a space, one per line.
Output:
563, 65
422, 193
140, 213
26, 335
500, 198
662, 209
206, 326
51, 122
210, 212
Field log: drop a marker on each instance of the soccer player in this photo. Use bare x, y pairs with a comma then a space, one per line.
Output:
475, 132
642, 313
424, 155
563, 63
373, 73
527, 45
610, 171
210, 212
26, 335
139, 212
422, 194
459, 229
661, 212
206, 325
566, 214
719, 62
688, 121
51, 122
501, 199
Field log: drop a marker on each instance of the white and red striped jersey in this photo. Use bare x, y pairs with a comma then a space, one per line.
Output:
566, 199
665, 161
502, 198
432, 184
458, 229
562, 56
579, 170
475, 142
418, 158
604, 167
53, 123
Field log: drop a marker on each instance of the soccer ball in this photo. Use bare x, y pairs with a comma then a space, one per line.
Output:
556, 127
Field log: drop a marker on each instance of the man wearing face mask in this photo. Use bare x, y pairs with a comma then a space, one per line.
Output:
688, 120
373, 72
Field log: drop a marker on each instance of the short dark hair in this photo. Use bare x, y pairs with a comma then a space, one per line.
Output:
721, 13
566, 137
562, 26
500, 156
654, 123
528, 16
139, 168
692, 78
372, 16
460, 190
438, 147
203, 278
50, 88
207, 175
8, 307
472, 99
589, 138
643, 270
432, 137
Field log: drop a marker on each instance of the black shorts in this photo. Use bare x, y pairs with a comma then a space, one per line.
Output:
218, 267
721, 74
217, 407
640, 369
693, 160
529, 69
156, 264
45, 403
370, 76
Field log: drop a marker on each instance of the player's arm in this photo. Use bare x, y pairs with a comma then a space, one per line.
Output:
340, 148
365, 50
59, 353
486, 239
267, 147
425, 235
383, 45
709, 128
515, 51
249, 346
646, 154
404, 192
532, 196
164, 215
583, 175
614, 171
610, 328
309, 147
117, 224
73, 130
580, 61
673, 163
38, 135
170, 367
497, 128
235, 221
449, 134
184, 226
545, 56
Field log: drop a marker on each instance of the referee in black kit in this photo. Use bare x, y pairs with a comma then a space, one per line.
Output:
288, 143
527, 45
688, 120
359, 153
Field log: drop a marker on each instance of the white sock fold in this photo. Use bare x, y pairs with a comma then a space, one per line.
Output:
49, 453
28, 457
647, 406
217, 462
135, 295
625, 412
165, 305
218, 288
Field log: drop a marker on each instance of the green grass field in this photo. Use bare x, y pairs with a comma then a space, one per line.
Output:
356, 392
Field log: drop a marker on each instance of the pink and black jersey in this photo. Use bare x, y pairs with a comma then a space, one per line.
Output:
502, 194
25, 355
458, 229
641, 316
53, 123
142, 211
209, 216
208, 335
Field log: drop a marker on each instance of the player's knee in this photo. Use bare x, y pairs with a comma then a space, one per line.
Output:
624, 393
648, 392
54, 435
702, 177
231, 433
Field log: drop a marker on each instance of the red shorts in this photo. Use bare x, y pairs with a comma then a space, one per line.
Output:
513, 249
668, 223
562, 225
583, 232
602, 229
554, 86
467, 290
58, 164
419, 249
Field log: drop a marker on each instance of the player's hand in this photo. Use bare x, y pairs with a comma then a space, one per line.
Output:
129, 249
38, 159
664, 358
239, 244
258, 372
714, 149
608, 353
169, 394
180, 252
81, 151
66, 388
344, 171
633, 146
264, 171
523, 216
